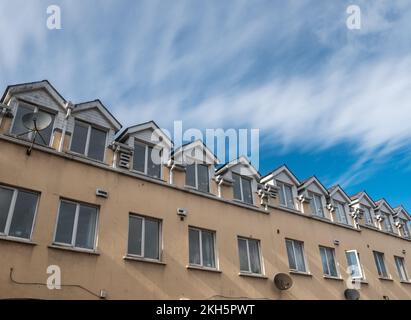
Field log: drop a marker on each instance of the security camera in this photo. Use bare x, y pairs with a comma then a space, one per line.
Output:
182, 213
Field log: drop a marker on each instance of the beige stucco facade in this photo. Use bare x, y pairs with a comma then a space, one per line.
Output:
59, 175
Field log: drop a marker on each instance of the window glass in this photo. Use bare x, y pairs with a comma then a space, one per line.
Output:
387, 223
243, 253
340, 212
405, 230
254, 256
328, 261
151, 239
190, 175
67, 214
139, 157
367, 215
194, 246
207, 239
247, 194
237, 186
154, 162
202, 177
79, 139
18, 127
379, 261
399, 262
97, 144
283, 200
290, 253
47, 132
6, 196
86, 227
135, 233
354, 264
23, 215
316, 205
299, 256
289, 196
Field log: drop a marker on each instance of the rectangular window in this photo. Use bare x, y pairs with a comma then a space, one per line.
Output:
328, 261
250, 257
201, 248
296, 258
89, 141
197, 176
387, 223
17, 212
144, 237
353, 261
367, 216
340, 213
379, 262
242, 188
76, 225
147, 160
19, 129
286, 195
405, 230
316, 204
402, 272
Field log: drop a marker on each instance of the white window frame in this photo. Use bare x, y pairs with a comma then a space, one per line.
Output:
406, 233
196, 164
146, 146
294, 254
241, 187
386, 222
143, 233
75, 226
36, 109
262, 271
326, 259
401, 268
200, 237
361, 275
282, 186
10, 214
344, 213
317, 212
371, 223
87, 146
379, 263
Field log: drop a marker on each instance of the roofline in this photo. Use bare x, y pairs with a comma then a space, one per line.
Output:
229, 162
287, 168
314, 178
103, 105
125, 131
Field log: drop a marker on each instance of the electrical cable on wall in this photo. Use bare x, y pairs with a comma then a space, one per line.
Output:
43, 284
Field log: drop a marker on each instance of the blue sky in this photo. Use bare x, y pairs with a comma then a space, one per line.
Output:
328, 100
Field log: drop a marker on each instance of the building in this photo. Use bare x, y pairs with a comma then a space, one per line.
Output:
118, 224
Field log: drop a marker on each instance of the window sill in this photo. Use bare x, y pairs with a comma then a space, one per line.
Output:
252, 275
82, 156
299, 273
139, 259
386, 278
244, 203
17, 240
71, 249
203, 269
333, 278
362, 281
195, 190
405, 281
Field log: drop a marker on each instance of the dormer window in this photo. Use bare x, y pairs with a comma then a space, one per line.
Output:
316, 204
340, 213
19, 129
387, 223
367, 216
88, 141
242, 188
405, 230
147, 160
286, 195
197, 176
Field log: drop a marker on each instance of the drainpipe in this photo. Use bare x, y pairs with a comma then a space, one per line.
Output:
69, 108
116, 151
171, 165
220, 181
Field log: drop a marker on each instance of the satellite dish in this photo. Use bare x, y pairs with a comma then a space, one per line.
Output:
283, 281
352, 294
35, 122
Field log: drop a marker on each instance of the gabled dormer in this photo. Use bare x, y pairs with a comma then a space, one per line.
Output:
384, 214
198, 161
240, 178
313, 195
39, 97
92, 128
287, 184
148, 147
339, 205
363, 206
401, 221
